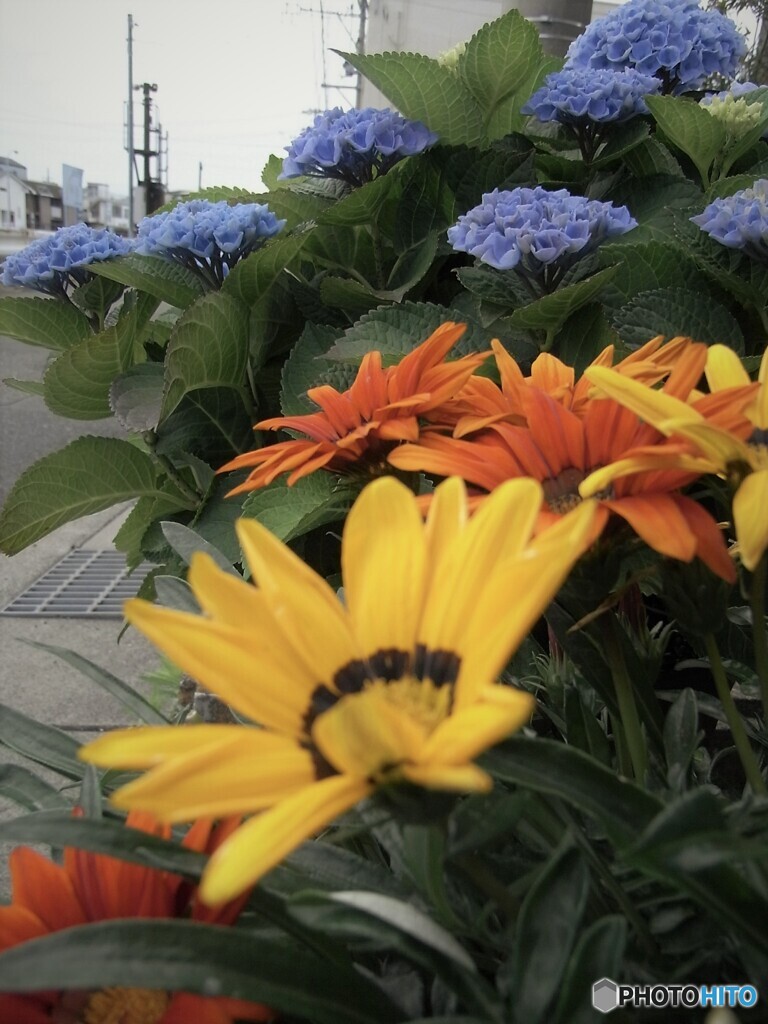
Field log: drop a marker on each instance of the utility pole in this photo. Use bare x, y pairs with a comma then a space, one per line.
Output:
153, 189
131, 219
360, 48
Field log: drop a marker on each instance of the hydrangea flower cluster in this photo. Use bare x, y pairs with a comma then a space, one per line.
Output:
740, 221
602, 95
537, 233
675, 40
355, 145
733, 108
59, 262
207, 238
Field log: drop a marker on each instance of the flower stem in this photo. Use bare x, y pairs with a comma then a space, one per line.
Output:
759, 631
625, 697
735, 724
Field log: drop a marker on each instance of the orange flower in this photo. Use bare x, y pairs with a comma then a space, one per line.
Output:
482, 402
92, 887
356, 429
560, 449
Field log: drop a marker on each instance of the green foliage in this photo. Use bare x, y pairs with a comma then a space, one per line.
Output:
41, 322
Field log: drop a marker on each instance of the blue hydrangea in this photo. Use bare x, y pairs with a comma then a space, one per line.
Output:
355, 145
59, 262
740, 221
207, 238
602, 96
539, 234
675, 40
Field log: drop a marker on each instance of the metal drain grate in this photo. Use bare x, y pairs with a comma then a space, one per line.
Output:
84, 583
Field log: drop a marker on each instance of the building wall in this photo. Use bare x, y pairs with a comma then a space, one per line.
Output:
13, 203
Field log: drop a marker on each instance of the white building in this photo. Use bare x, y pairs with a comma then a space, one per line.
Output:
13, 202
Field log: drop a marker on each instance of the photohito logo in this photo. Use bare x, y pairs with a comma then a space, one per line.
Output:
608, 995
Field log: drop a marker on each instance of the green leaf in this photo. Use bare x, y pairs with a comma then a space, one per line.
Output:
77, 384
318, 865
499, 60
205, 959
621, 142
583, 336
29, 387
40, 743
160, 277
306, 367
340, 248
185, 542
424, 90
396, 330
89, 475
691, 129
657, 203
208, 349
27, 790
550, 312
688, 844
214, 423
144, 513
127, 695
546, 766
136, 396
97, 296
651, 158
647, 266
46, 322
290, 512
673, 312
363, 204
681, 738
351, 296
599, 953
173, 592
252, 277
545, 934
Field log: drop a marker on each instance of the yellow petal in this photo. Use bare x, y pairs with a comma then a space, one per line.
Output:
749, 515
303, 606
246, 773
466, 778
365, 732
228, 598
261, 843
383, 564
497, 531
446, 518
147, 746
514, 598
652, 406
759, 411
268, 686
724, 369
716, 444
467, 733
602, 478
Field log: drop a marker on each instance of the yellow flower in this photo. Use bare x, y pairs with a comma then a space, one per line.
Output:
395, 686
726, 431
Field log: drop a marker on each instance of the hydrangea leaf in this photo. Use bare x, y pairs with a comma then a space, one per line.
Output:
622, 142
208, 349
161, 278
290, 512
677, 311
89, 475
691, 129
29, 387
362, 204
213, 422
499, 60
255, 274
145, 513
426, 204
136, 396
583, 335
658, 203
336, 247
77, 383
187, 956
215, 522
306, 368
54, 325
424, 90
651, 157
551, 311
351, 296
647, 266
396, 330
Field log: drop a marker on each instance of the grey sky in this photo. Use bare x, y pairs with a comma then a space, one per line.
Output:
235, 79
